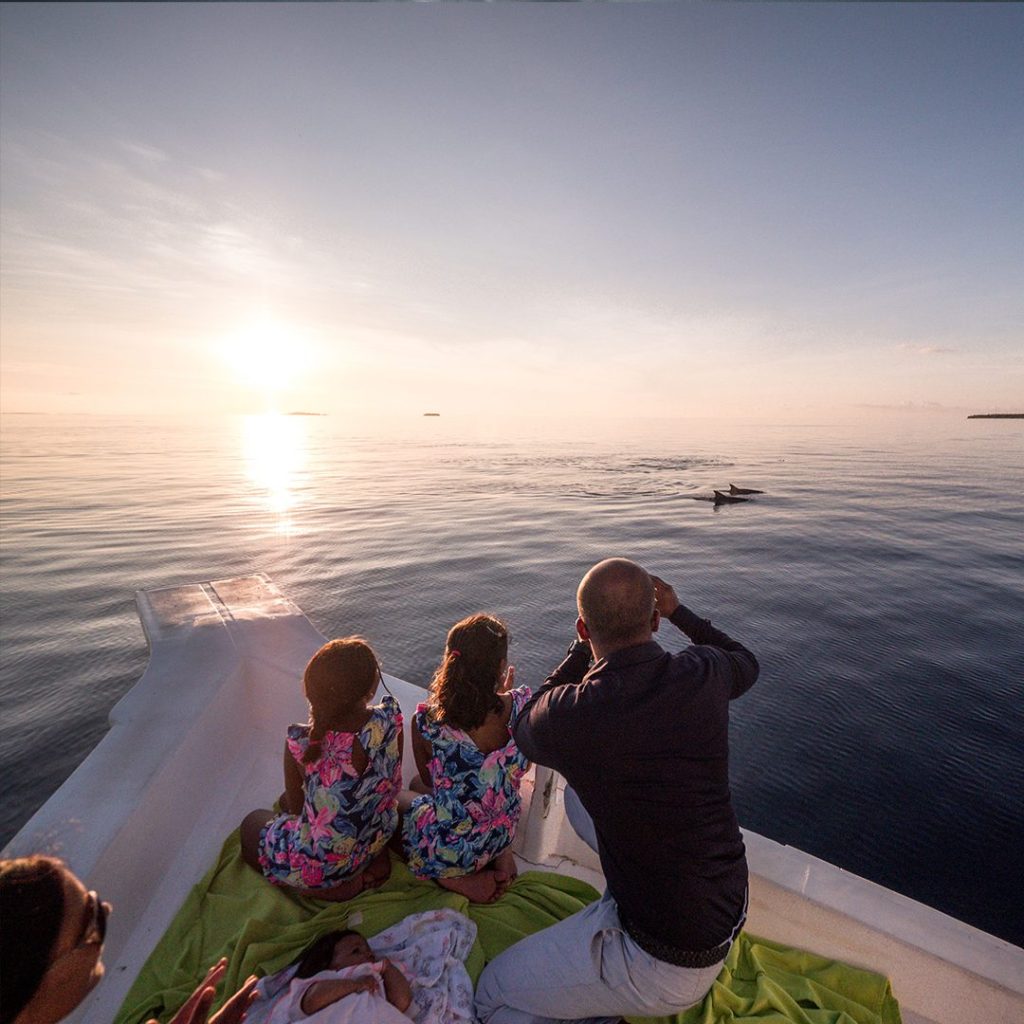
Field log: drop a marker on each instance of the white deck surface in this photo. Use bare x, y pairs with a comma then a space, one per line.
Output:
197, 743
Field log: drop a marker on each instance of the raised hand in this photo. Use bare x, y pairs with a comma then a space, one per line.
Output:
196, 1008
234, 1010
509, 681
665, 600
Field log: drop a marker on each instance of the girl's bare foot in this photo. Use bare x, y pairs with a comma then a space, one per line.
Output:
505, 863
378, 871
480, 887
502, 882
339, 893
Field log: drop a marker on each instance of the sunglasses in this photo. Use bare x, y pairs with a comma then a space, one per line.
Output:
95, 931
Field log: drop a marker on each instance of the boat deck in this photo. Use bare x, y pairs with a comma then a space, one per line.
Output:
197, 743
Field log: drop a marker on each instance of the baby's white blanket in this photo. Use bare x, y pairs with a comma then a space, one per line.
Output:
429, 948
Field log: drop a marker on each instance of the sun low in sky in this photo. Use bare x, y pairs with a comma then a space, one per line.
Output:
268, 360
732, 210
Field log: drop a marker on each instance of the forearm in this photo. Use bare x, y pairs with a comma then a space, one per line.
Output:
396, 988
533, 729
294, 791
422, 752
744, 665
323, 993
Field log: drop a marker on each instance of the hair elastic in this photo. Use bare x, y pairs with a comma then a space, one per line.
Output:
454, 653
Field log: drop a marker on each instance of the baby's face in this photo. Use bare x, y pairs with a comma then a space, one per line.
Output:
350, 950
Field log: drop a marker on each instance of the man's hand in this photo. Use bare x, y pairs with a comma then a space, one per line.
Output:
665, 600
196, 1008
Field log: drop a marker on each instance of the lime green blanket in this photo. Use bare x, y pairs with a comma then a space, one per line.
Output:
766, 983
232, 912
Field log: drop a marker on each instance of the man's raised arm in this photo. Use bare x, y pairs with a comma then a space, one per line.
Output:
542, 729
742, 664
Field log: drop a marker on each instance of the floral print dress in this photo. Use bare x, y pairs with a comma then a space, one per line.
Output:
346, 818
472, 813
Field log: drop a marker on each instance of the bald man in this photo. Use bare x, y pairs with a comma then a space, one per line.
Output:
641, 737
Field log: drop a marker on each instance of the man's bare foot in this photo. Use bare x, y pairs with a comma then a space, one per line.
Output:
480, 887
378, 871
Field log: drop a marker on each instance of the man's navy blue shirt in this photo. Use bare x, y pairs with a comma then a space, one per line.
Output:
643, 738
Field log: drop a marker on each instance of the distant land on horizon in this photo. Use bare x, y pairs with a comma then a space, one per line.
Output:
300, 413
996, 416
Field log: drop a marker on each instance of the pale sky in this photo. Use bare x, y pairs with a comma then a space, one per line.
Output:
745, 210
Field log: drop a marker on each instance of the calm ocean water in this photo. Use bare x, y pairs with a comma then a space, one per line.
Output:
880, 580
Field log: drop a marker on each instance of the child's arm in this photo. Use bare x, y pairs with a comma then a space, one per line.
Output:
396, 987
323, 993
294, 791
422, 751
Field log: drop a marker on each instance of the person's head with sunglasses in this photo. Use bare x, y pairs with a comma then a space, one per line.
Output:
51, 938
51, 944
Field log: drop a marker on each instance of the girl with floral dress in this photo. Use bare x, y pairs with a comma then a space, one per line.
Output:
342, 774
458, 831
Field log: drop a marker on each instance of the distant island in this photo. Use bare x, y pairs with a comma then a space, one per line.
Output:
305, 414
431, 414
997, 416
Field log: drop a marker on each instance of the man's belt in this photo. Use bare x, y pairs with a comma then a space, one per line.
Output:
669, 954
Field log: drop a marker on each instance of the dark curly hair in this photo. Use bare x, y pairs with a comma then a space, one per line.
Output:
31, 914
316, 957
339, 679
464, 688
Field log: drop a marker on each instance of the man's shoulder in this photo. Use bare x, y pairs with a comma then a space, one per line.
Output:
572, 701
699, 656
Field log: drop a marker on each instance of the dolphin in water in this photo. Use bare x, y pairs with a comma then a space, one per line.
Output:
719, 498
729, 499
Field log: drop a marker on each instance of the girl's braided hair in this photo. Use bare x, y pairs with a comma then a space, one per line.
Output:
339, 679
464, 688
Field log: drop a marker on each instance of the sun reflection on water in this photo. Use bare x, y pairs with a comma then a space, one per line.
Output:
275, 449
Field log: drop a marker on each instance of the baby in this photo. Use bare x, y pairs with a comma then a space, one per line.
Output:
338, 966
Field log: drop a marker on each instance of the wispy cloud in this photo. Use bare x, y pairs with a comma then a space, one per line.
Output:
926, 350
142, 223
150, 154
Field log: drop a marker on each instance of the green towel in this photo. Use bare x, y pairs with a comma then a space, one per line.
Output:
765, 983
233, 912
